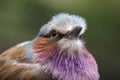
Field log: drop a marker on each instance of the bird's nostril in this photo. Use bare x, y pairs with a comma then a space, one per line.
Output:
78, 28
74, 33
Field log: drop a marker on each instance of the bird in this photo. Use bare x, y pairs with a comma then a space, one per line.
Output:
58, 52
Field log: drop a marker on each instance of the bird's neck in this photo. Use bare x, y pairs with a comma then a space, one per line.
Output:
67, 64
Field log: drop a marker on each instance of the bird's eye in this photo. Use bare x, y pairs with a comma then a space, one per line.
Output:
54, 34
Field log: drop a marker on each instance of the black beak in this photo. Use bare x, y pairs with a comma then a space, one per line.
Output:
74, 33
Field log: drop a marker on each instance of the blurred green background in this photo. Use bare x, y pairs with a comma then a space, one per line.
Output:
20, 20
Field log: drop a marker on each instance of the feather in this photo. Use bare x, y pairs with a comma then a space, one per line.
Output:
15, 65
57, 53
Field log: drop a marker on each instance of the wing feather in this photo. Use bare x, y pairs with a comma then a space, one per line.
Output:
14, 65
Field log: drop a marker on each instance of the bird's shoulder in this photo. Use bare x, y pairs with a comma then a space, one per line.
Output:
17, 63
17, 52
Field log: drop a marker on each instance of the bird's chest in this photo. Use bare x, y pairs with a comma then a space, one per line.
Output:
68, 69
65, 66
72, 72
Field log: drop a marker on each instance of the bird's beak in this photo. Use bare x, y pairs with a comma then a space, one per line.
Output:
74, 33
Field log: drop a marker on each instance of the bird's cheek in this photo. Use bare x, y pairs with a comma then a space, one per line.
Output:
43, 44
42, 40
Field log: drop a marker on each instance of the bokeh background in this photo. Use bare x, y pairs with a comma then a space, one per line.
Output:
20, 20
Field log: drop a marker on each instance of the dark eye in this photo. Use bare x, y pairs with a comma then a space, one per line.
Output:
54, 34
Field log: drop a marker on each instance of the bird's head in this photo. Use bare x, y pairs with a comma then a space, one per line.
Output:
59, 48
61, 35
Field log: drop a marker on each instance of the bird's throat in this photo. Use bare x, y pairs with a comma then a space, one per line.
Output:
67, 64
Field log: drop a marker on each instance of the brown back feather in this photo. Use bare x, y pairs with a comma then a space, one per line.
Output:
11, 71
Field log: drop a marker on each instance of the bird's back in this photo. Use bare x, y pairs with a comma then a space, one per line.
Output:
17, 63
